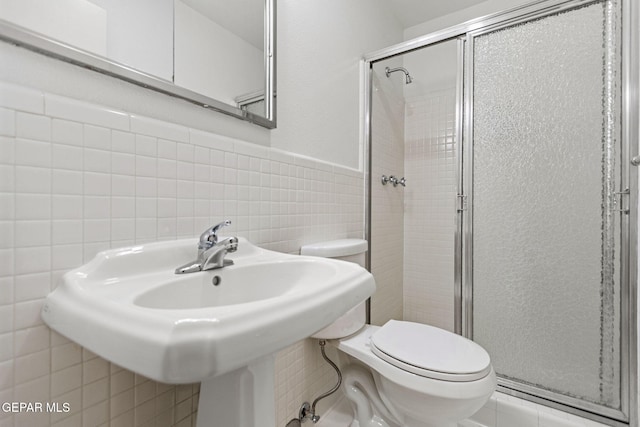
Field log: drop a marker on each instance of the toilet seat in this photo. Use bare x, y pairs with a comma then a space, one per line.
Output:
430, 352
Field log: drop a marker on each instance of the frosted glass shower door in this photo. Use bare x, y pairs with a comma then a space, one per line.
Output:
546, 205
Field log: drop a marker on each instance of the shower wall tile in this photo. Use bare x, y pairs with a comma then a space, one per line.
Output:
77, 178
429, 210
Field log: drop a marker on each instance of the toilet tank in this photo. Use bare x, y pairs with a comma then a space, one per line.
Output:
351, 250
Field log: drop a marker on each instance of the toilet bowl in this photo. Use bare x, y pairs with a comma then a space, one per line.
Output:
404, 374
417, 384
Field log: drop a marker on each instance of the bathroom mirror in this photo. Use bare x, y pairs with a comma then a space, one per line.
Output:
215, 53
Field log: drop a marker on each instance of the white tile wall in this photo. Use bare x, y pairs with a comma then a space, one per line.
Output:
77, 178
429, 215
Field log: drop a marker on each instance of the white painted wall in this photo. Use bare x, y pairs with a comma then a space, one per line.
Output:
76, 22
105, 28
201, 41
150, 23
319, 46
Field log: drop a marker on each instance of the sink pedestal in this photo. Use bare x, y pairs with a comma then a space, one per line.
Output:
242, 398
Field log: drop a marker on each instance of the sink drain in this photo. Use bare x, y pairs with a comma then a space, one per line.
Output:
216, 280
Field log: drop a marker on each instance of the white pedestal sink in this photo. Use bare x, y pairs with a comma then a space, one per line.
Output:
219, 327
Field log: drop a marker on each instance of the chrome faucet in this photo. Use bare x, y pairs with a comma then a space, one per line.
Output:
211, 252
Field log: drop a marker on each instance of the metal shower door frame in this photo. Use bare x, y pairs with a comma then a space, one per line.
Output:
628, 233
464, 118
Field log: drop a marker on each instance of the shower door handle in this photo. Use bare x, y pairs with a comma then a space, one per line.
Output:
623, 193
635, 161
461, 203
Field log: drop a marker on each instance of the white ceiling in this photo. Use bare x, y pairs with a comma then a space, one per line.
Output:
413, 12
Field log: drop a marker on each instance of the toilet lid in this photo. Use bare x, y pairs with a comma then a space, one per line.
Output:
430, 352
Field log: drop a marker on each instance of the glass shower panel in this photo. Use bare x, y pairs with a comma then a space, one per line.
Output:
430, 147
545, 219
387, 218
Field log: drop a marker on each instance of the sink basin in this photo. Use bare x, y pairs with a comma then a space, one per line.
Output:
237, 285
129, 307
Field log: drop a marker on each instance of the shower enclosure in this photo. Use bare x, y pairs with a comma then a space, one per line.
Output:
518, 223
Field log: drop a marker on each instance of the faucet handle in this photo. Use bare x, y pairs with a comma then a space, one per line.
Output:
210, 236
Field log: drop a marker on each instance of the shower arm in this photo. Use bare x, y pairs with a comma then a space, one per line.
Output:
407, 77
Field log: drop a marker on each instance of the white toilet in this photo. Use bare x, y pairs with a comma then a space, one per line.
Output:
404, 374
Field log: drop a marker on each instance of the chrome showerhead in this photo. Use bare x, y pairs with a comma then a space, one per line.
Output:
407, 76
